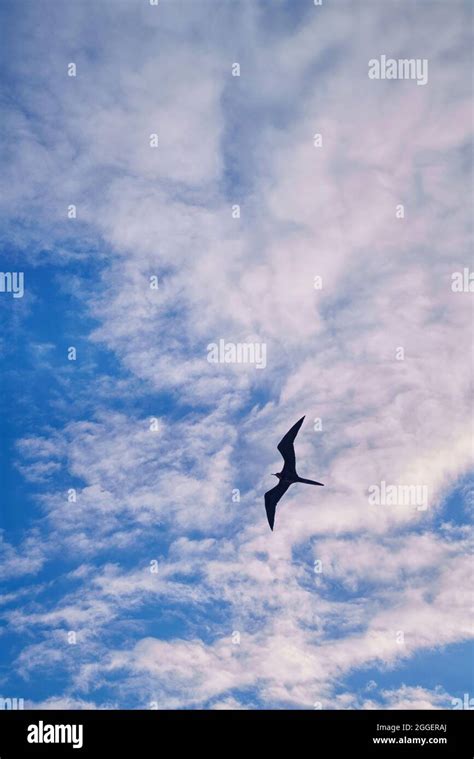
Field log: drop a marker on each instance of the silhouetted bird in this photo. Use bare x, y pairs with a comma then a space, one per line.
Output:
288, 474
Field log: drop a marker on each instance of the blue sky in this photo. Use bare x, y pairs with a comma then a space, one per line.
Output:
234, 616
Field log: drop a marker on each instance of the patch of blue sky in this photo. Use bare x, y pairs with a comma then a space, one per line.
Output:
449, 667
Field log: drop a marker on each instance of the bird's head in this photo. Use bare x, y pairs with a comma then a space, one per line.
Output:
277, 474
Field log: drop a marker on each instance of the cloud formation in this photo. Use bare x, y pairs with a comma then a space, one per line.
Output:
146, 442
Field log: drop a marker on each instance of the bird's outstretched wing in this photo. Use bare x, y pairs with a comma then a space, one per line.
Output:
287, 450
271, 499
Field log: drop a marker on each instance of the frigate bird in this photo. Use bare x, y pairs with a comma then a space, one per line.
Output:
288, 474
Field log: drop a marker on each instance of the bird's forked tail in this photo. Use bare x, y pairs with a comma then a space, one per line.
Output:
310, 482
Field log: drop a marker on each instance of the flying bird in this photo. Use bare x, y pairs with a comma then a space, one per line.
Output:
288, 474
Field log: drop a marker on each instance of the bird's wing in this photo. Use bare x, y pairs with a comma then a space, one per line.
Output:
271, 499
287, 450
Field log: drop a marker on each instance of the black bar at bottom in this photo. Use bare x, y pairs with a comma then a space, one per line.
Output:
148, 733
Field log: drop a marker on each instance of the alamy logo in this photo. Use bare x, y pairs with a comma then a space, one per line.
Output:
12, 703
463, 703
42, 733
237, 353
399, 495
462, 281
12, 282
401, 68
